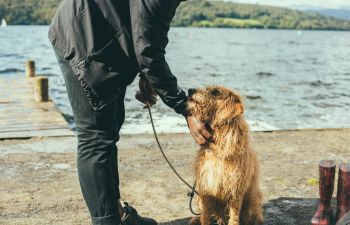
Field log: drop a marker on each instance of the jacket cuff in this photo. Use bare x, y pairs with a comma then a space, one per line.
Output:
182, 108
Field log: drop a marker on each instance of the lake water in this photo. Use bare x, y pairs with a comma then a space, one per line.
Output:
291, 79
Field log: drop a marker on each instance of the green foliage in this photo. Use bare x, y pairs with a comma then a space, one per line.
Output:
229, 22
28, 11
197, 13
202, 13
239, 23
313, 181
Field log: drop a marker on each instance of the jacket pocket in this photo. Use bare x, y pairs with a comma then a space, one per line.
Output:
105, 72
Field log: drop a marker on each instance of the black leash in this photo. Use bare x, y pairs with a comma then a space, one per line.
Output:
191, 195
193, 188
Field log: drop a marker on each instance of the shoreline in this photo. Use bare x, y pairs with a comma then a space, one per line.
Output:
40, 185
150, 134
201, 27
182, 127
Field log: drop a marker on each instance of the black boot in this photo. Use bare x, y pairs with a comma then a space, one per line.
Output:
131, 217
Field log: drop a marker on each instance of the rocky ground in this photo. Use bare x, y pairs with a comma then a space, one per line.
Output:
39, 185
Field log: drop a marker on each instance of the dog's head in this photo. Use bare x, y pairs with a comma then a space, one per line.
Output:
215, 105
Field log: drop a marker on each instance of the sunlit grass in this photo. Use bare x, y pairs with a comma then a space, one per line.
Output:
230, 22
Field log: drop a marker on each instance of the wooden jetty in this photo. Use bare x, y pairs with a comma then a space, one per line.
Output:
26, 111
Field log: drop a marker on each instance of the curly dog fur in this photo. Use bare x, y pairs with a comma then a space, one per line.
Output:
226, 171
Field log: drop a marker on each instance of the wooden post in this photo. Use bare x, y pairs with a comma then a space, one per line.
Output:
41, 89
30, 68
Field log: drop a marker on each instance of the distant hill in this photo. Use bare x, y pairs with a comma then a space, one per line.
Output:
229, 14
195, 13
339, 13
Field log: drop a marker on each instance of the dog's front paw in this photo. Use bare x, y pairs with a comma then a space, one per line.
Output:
195, 221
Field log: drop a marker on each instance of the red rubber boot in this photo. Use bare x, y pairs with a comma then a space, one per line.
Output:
324, 213
343, 194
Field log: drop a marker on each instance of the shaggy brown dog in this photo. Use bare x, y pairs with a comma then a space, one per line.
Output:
227, 171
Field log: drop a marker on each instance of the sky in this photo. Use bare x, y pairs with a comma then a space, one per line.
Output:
300, 3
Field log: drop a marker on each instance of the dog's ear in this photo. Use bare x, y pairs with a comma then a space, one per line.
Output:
238, 109
229, 113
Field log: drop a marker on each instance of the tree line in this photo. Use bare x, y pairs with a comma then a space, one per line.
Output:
192, 13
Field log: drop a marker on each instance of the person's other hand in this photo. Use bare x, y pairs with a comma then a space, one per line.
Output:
146, 94
198, 130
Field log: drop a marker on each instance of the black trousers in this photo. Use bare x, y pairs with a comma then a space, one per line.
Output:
97, 134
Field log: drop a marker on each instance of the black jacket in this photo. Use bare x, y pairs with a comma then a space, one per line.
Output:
108, 42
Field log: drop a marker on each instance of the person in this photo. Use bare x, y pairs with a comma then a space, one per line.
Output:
101, 46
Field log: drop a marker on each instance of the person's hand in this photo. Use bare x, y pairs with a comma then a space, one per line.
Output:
198, 130
146, 94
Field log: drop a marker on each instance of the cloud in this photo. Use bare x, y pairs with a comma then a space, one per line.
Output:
296, 3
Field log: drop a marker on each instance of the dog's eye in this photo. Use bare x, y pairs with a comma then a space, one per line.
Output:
215, 92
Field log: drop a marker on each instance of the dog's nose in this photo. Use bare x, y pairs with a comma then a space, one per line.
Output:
191, 91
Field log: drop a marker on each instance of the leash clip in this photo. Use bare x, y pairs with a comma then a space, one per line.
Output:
190, 194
